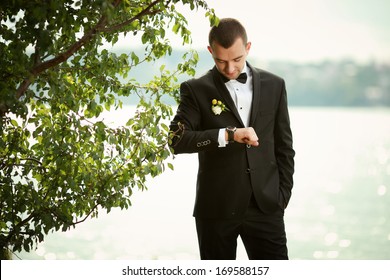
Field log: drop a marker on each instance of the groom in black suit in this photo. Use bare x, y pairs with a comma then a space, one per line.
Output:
236, 118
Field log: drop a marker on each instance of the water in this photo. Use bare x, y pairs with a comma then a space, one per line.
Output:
339, 209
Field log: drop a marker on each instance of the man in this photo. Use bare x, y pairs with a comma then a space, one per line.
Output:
240, 128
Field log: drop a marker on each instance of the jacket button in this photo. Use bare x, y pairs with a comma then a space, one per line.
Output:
248, 170
248, 146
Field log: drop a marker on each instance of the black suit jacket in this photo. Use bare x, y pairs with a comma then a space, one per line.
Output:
228, 176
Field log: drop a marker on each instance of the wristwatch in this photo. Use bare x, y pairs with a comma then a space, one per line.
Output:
230, 131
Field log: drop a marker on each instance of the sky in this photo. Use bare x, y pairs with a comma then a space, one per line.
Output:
304, 30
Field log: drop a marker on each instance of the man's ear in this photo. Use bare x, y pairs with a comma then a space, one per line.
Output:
248, 46
210, 49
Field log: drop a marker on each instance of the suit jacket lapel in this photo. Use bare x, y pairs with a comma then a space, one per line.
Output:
256, 95
227, 99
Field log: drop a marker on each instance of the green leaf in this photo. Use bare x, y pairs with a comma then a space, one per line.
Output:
176, 28
14, 123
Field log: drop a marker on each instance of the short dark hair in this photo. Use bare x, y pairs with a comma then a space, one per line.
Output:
227, 32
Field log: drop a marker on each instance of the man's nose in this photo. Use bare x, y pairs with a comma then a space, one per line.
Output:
230, 68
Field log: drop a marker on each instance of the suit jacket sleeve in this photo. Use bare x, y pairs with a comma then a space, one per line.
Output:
187, 133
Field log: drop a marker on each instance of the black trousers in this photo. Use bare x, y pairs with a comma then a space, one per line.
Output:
263, 236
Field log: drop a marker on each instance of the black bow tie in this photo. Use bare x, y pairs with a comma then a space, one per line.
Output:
241, 78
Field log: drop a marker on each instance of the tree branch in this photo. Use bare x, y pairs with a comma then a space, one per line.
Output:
62, 57
86, 217
58, 59
18, 226
39, 68
145, 12
32, 159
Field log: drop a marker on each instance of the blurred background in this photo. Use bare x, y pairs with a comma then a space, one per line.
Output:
335, 58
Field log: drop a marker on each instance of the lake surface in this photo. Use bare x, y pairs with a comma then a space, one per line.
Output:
340, 208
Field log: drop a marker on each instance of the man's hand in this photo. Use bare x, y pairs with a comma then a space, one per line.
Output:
246, 135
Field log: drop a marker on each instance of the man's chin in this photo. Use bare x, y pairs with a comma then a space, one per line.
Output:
231, 77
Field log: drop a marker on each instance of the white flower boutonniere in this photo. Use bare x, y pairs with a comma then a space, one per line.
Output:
218, 107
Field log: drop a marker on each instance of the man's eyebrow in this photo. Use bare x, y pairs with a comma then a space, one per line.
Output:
239, 57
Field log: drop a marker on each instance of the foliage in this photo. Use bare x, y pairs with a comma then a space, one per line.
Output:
61, 162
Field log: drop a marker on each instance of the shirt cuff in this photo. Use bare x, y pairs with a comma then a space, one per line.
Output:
221, 138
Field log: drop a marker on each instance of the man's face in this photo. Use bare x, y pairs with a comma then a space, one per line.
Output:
231, 61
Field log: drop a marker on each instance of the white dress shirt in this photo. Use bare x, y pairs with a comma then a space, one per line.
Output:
242, 95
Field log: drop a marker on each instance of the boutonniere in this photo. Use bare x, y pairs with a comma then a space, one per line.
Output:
218, 107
